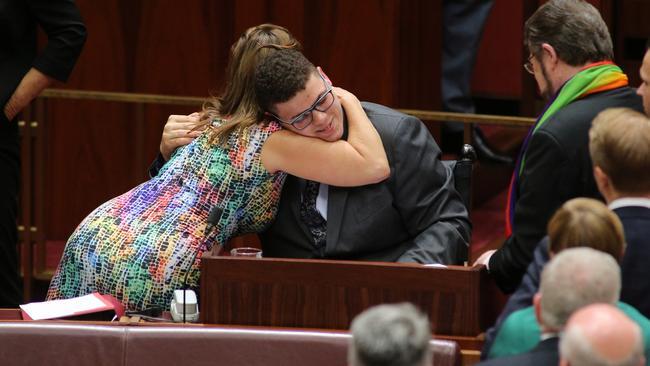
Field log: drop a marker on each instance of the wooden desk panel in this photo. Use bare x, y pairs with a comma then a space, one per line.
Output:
328, 294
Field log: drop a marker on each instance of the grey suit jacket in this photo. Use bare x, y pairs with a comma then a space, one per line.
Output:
415, 215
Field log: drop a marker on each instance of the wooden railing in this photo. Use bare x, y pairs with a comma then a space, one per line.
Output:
423, 115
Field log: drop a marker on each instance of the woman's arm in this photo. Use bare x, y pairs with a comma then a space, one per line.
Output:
358, 161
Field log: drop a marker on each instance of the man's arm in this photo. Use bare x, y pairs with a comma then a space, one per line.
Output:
29, 88
545, 184
431, 208
523, 297
66, 34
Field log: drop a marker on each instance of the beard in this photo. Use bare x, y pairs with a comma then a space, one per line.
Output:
546, 92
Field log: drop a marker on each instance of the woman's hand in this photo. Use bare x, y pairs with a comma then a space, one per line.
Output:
346, 98
178, 132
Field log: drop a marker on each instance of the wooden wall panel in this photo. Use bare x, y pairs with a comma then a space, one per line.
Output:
419, 52
86, 144
499, 61
354, 43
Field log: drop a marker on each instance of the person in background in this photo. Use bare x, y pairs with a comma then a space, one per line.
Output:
24, 73
620, 153
571, 59
390, 334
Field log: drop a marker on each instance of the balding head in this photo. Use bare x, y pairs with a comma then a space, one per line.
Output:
600, 334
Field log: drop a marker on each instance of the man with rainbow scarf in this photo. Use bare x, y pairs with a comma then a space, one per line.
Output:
571, 59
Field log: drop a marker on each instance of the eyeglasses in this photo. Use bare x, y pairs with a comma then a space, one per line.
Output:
304, 118
528, 65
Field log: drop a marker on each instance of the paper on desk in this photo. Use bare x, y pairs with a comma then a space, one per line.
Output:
66, 307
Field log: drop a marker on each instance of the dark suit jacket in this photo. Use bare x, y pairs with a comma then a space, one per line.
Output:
546, 353
523, 296
415, 215
66, 34
558, 168
635, 270
61, 21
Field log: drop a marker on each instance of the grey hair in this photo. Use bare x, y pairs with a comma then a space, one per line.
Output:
576, 277
574, 28
576, 348
391, 334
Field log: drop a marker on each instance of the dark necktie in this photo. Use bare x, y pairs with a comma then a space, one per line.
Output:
311, 217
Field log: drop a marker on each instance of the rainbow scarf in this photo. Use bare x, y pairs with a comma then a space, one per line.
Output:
593, 78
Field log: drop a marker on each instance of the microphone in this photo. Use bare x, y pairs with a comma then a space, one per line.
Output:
213, 220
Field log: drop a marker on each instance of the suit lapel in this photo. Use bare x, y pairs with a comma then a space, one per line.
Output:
336, 200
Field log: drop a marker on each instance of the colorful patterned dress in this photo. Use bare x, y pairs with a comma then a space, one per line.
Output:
139, 246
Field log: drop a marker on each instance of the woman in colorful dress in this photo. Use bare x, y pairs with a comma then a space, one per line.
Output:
140, 246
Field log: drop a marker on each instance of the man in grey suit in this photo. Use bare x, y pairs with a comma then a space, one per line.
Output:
414, 216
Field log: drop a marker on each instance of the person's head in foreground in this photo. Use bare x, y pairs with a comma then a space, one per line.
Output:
391, 334
601, 335
574, 278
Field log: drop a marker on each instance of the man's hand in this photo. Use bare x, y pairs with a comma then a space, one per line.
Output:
484, 259
178, 132
31, 85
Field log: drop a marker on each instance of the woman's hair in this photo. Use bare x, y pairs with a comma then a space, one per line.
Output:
586, 222
237, 105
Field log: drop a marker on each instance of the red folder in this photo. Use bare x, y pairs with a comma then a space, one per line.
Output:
89, 307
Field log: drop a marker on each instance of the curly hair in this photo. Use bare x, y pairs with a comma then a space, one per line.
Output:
280, 76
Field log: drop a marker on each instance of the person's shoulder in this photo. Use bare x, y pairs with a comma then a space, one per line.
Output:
520, 318
639, 319
374, 110
583, 111
387, 120
635, 315
264, 128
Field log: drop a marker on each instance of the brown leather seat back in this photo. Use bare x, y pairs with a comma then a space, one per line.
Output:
30, 343
224, 346
62, 343
446, 353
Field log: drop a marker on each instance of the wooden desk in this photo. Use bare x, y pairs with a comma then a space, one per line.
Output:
329, 294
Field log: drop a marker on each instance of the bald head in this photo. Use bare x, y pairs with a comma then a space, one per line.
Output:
600, 334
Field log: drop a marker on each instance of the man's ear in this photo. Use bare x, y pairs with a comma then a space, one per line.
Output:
549, 53
603, 182
537, 304
320, 70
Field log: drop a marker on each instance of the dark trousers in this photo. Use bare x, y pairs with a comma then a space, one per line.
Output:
10, 284
463, 23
